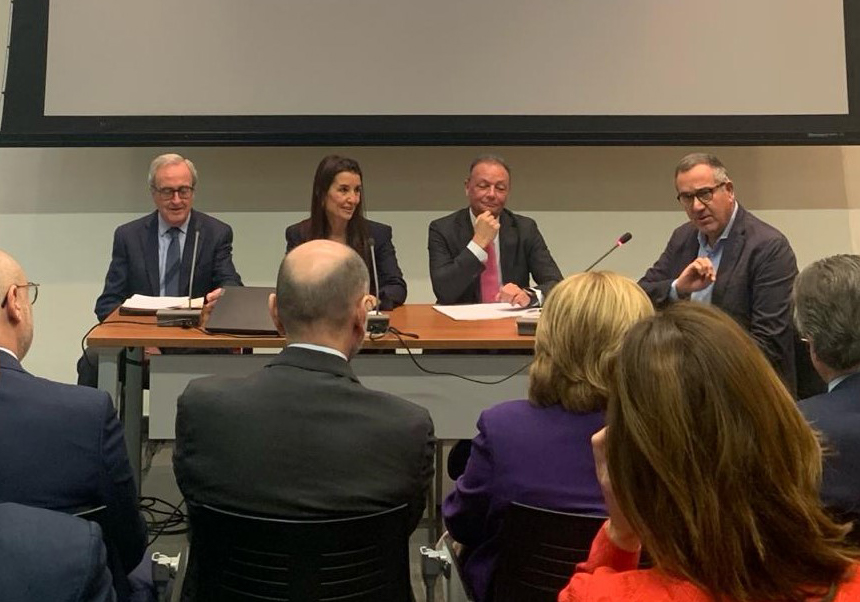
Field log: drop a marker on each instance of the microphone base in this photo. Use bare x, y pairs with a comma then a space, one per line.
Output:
377, 323
527, 325
186, 318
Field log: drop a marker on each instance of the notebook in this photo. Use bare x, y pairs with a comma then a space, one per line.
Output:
242, 310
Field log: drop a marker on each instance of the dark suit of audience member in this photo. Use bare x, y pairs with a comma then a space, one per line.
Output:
756, 268
302, 438
392, 286
134, 260
62, 447
48, 556
826, 300
538, 452
455, 271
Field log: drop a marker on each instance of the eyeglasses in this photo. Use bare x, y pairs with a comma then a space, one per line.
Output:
705, 195
166, 194
32, 292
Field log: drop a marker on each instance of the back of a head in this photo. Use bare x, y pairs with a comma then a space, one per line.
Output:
827, 309
713, 464
578, 336
319, 284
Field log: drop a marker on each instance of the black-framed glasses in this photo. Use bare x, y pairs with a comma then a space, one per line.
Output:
32, 292
705, 195
166, 194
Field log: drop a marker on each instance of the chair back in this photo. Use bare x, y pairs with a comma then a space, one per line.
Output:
539, 549
238, 557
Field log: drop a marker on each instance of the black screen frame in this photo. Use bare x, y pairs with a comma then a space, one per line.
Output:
25, 124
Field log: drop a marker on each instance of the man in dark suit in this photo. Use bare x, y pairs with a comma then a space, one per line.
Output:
728, 257
827, 314
302, 437
486, 253
152, 255
62, 446
48, 555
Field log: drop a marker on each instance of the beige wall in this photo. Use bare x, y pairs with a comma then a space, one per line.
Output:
59, 207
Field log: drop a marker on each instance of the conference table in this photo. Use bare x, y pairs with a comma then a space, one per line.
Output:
419, 366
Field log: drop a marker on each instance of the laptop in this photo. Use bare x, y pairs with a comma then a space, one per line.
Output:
242, 310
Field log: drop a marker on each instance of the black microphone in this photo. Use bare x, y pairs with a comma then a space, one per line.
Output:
377, 323
194, 263
183, 316
625, 238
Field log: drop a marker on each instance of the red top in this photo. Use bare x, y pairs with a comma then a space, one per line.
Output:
610, 574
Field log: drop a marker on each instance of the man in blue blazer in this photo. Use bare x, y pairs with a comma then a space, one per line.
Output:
141, 257
48, 555
62, 446
485, 252
827, 314
728, 257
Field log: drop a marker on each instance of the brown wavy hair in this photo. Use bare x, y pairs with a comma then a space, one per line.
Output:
715, 467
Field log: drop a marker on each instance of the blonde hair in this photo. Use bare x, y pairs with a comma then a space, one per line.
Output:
578, 336
713, 464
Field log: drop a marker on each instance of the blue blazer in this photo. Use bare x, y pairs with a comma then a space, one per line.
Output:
47, 555
837, 416
522, 453
62, 448
134, 260
392, 286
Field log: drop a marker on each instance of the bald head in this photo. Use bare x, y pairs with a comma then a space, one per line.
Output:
319, 285
16, 316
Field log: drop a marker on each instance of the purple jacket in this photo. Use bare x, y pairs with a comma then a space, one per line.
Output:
536, 456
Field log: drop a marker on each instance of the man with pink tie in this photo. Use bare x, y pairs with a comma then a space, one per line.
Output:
486, 253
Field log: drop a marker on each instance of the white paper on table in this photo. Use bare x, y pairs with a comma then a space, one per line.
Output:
147, 303
485, 311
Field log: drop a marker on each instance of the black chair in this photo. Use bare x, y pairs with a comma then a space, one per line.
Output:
539, 549
237, 557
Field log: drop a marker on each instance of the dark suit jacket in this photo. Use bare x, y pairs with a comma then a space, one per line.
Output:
753, 285
392, 286
51, 556
837, 416
455, 272
62, 448
301, 438
522, 453
134, 261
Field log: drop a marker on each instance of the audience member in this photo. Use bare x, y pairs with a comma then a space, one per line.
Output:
707, 463
302, 438
485, 253
728, 257
62, 445
337, 213
48, 556
538, 451
827, 314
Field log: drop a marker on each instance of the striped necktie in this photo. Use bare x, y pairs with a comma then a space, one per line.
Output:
171, 266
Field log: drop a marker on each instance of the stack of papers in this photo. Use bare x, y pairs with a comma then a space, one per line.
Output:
485, 311
144, 304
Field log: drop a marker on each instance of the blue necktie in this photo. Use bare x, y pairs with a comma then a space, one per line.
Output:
171, 266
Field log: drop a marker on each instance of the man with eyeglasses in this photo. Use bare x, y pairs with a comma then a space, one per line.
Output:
153, 255
62, 446
728, 257
486, 253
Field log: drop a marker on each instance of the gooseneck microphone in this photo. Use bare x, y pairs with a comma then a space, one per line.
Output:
183, 316
377, 323
623, 239
193, 263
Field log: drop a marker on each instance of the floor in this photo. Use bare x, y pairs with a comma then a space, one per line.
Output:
158, 482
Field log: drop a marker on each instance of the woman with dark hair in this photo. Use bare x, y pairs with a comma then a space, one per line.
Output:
707, 463
337, 213
538, 451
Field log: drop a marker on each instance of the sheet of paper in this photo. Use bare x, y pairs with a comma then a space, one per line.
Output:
147, 303
485, 311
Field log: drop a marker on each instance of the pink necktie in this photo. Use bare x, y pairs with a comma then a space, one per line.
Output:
490, 276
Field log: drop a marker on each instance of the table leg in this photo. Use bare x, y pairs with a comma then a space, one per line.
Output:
132, 408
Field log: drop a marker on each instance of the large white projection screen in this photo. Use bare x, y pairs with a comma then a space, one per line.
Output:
446, 57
